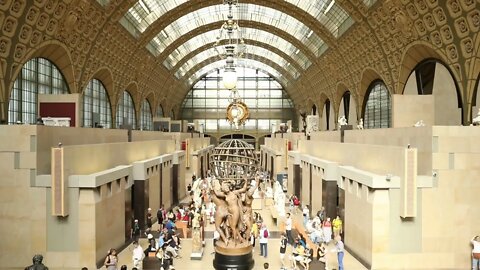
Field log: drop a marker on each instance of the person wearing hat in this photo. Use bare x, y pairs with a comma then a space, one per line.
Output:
152, 244
135, 232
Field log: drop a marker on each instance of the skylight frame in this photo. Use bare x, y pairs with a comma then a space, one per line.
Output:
248, 34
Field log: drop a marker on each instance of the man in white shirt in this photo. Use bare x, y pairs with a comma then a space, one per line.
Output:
137, 256
340, 251
288, 229
475, 252
306, 215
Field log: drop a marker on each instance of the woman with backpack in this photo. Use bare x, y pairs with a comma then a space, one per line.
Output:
264, 234
111, 260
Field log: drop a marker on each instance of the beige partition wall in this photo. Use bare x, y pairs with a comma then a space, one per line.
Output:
305, 191
316, 190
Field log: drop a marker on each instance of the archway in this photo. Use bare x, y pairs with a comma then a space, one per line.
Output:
433, 77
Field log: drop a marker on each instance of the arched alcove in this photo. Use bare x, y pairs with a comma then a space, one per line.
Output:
432, 77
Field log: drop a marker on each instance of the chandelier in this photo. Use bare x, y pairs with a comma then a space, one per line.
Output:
234, 47
237, 110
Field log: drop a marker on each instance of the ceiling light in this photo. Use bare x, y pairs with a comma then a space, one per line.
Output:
310, 34
297, 51
329, 7
230, 78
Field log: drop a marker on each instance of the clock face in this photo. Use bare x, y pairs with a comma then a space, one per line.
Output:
237, 111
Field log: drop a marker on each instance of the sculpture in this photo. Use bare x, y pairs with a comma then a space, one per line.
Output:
360, 124
196, 233
476, 120
37, 263
420, 123
234, 166
342, 121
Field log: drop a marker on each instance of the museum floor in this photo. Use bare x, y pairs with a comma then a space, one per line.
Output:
185, 263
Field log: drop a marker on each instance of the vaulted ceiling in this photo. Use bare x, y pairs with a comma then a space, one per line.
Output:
317, 49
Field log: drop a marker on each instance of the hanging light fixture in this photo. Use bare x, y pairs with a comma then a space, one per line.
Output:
230, 74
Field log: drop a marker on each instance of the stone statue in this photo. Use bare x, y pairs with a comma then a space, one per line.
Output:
37, 263
342, 121
476, 120
197, 192
196, 233
360, 124
420, 123
304, 122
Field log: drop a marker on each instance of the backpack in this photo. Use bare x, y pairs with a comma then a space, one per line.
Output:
296, 201
265, 233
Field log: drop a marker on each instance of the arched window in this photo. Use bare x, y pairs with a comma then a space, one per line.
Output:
172, 115
262, 93
96, 106
378, 107
160, 111
146, 116
38, 76
346, 105
126, 111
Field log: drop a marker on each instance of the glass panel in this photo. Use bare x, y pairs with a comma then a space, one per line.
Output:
253, 64
184, 69
160, 111
248, 12
210, 106
145, 12
38, 76
96, 106
126, 111
378, 107
327, 12
248, 34
146, 116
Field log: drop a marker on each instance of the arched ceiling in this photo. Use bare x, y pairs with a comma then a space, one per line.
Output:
285, 36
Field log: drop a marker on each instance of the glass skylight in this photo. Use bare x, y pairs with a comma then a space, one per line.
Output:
249, 63
248, 34
250, 49
328, 13
143, 13
248, 12
103, 2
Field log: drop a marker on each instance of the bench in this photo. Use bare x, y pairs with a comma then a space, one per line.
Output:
298, 226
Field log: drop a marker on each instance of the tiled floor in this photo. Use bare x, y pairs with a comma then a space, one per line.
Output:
206, 263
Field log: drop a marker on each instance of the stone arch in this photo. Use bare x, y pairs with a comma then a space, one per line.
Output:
440, 81
474, 84
3, 96
369, 75
105, 75
414, 54
57, 53
352, 115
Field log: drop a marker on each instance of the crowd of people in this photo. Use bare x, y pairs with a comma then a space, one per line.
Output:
324, 234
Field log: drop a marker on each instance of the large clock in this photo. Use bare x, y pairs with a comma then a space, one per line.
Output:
237, 111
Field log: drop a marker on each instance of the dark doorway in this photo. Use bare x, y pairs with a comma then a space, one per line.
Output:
175, 184
172, 183
272, 166
161, 184
140, 204
341, 208
310, 191
297, 180
128, 212
201, 168
330, 197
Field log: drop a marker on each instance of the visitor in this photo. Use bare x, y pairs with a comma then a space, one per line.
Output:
327, 230
340, 251
137, 256
321, 252
266, 265
84, 268
475, 252
111, 260
152, 245
306, 215
171, 215
337, 226
123, 267
135, 233
283, 249
321, 214
149, 219
264, 235
288, 229
160, 217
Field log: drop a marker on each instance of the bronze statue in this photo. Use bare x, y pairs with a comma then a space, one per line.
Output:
37, 263
231, 197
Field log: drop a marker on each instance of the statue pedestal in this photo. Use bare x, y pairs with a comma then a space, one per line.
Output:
233, 258
197, 245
